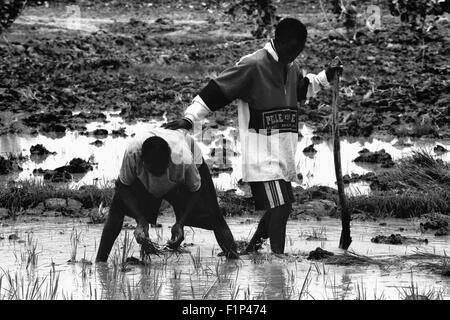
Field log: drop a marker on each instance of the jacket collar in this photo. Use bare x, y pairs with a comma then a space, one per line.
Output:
270, 47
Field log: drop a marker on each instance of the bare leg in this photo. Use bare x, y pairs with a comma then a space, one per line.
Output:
277, 227
111, 229
272, 225
222, 231
261, 233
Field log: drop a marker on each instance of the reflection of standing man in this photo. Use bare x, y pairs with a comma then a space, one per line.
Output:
267, 85
167, 165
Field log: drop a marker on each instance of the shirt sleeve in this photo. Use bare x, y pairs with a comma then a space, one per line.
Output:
230, 85
192, 178
197, 111
127, 173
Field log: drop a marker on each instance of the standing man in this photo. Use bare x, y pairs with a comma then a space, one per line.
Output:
267, 85
166, 165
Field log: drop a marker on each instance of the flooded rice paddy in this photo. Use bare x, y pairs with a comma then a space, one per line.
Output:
36, 264
43, 248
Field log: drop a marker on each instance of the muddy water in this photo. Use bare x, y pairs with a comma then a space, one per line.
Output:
262, 276
317, 169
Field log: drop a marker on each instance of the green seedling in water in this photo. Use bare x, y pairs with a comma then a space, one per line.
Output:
30, 256
74, 241
196, 260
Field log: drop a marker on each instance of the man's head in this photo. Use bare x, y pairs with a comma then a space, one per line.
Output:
156, 155
290, 39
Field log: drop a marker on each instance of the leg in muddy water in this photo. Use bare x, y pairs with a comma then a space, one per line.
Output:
261, 233
272, 225
127, 200
277, 227
225, 239
111, 229
275, 197
222, 231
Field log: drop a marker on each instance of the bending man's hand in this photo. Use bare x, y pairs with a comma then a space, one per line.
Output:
141, 233
178, 124
177, 236
142, 237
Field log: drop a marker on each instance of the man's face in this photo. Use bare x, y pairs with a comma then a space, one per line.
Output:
288, 51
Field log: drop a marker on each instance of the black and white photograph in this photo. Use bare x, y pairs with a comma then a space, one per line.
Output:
222, 155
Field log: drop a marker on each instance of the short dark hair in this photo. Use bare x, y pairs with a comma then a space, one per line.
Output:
290, 29
156, 153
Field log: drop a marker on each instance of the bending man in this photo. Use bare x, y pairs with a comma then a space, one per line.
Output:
167, 165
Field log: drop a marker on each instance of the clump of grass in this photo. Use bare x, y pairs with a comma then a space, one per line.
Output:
196, 259
30, 256
410, 203
18, 288
418, 184
412, 292
352, 259
420, 171
361, 293
317, 234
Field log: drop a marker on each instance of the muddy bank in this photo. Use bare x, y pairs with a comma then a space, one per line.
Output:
92, 202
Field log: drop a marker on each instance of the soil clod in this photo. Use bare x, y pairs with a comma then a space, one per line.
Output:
319, 254
397, 239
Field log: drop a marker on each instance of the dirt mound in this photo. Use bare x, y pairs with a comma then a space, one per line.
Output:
64, 173
319, 254
380, 156
310, 149
437, 223
40, 150
354, 177
9, 165
397, 239
440, 149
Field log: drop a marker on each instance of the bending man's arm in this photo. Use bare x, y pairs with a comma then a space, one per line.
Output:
127, 177
193, 183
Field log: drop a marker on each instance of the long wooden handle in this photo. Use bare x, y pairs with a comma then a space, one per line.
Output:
345, 239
